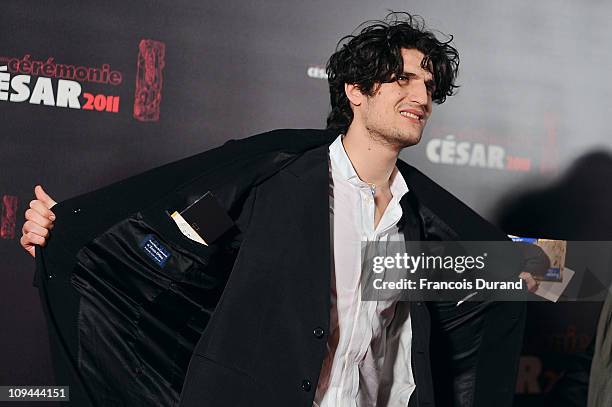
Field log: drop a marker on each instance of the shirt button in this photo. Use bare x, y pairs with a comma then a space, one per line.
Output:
306, 385
318, 332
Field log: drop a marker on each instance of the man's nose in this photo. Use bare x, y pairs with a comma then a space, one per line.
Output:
418, 93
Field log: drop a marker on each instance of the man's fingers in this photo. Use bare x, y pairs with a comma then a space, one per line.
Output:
42, 196
532, 283
39, 220
35, 239
33, 227
32, 216
39, 206
25, 243
30, 239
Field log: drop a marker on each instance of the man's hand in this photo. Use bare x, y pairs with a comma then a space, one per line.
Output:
532, 283
535, 263
39, 221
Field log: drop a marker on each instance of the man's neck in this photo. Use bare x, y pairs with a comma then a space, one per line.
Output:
373, 161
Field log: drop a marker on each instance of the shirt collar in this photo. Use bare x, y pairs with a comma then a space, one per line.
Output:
341, 165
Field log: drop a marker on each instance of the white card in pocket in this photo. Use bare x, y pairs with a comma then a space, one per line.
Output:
186, 228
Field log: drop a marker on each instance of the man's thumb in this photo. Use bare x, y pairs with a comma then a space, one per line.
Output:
41, 195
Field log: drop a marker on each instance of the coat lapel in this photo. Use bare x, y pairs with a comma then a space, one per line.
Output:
310, 194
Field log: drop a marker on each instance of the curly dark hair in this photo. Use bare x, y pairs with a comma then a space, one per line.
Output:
373, 56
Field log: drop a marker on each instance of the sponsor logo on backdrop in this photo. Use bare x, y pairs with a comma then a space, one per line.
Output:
149, 80
316, 72
64, 85
477, 148
8, 216
45, 82
486, 149
453, 151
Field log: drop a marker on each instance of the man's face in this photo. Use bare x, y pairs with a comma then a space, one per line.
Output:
397, 113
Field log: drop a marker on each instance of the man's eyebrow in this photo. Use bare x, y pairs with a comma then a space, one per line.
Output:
408, 73
429, 82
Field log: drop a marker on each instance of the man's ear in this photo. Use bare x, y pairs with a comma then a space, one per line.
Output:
353, 93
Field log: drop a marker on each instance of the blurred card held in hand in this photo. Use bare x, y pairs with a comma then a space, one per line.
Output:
555, 250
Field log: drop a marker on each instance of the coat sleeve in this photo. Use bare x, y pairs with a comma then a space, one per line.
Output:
475, 347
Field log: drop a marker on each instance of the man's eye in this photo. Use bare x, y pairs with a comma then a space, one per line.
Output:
402, 78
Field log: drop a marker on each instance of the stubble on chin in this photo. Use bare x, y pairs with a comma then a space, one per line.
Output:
393, 138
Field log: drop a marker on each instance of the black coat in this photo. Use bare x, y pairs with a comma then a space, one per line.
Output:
244, 321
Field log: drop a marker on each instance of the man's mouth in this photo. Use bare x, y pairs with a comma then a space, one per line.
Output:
413, 114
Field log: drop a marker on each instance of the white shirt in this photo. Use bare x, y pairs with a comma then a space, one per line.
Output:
367, 362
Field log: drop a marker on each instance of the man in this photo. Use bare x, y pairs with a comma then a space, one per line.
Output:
311, 341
